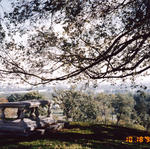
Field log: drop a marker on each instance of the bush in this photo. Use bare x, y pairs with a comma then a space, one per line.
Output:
15, 97
31, 96
27, 96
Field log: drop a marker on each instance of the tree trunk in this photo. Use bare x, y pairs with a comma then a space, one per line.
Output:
118, 118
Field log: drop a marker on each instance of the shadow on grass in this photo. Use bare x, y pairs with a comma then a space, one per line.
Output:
93, 136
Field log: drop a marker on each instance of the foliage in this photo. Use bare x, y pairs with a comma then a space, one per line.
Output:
105, 109
96, 40
15, 97
120, 109
27, 96
123, 105
142, 109
76, 105
32, 95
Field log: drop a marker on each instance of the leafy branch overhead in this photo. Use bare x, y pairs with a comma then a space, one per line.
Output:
77, 39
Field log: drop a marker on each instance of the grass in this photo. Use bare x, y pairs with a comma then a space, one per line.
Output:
80, 136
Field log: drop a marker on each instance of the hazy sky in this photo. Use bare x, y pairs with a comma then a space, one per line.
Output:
5, 6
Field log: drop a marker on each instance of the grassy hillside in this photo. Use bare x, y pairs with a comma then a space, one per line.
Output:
81, 136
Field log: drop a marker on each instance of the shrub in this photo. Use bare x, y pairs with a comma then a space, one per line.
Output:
32, 95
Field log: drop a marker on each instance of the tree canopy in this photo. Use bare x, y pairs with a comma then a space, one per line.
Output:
79, 39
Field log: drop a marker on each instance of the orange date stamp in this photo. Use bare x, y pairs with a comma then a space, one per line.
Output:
138, 139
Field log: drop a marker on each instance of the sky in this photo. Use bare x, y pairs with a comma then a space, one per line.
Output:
5, 6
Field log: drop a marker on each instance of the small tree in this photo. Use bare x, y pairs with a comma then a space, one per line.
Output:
76, 105
104, 106
142, 108
123, 105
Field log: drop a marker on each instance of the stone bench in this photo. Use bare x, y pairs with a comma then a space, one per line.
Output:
25, 125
